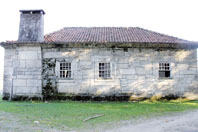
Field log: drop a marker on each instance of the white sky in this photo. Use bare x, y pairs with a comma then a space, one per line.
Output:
173, 17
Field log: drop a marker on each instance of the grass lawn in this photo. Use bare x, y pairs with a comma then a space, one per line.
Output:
72, 114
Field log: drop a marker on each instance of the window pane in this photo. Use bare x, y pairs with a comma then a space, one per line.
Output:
65, 70
164, 70
161, 74
167, 73
104, 70
61, 73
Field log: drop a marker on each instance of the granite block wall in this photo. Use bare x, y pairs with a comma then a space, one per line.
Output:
134, 72
22, 71
30, 69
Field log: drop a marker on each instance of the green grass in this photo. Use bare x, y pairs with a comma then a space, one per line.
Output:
72, 114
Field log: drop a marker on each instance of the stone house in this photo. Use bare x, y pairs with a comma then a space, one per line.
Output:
97, 62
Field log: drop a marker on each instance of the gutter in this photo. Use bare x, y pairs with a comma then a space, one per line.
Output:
104, 44
11, 91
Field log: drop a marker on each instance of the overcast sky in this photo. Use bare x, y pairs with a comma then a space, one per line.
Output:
173, 17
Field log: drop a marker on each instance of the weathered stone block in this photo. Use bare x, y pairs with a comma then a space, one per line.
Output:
187, 72
19, 82
131, 77
123, 65
33, 63
127, 71
26, 55
21, 90
8, 63
33, 83
10, 52
29, 48
8, 71
140, 70
7, 83
82, 63
16, 63
21, 63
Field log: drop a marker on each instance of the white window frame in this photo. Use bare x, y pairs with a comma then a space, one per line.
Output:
73, 70
104, 69
164, 68
96, 71
65, 70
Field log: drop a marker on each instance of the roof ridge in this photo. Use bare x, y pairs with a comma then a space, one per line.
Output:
50, 33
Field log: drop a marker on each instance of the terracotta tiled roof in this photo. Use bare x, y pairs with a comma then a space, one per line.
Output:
110, 35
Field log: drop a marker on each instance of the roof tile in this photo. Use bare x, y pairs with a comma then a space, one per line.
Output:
110, 35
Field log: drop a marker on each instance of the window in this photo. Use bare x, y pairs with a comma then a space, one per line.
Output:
164, 70
104, 70
125, 49
65, 70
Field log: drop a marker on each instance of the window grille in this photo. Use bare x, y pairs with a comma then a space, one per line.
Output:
65, 70
164, 70
104, 70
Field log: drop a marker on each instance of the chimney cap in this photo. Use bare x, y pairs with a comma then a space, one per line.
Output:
32, 11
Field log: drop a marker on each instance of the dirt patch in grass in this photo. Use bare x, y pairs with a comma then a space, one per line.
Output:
10, 122
173, 122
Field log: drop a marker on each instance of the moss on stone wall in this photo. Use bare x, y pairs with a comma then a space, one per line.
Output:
49, 90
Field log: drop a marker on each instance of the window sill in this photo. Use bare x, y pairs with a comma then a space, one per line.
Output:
104, 79
100, 78
65, 80
165, 78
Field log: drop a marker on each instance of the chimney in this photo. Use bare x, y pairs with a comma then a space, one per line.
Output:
31, 27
